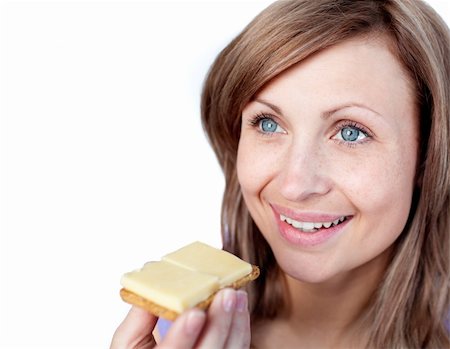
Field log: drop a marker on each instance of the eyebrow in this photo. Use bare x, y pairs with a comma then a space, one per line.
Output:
324, 115
329, 113
270, 105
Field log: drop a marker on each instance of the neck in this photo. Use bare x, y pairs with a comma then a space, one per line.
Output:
335, 309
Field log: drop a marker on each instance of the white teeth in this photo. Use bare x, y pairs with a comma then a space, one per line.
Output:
296, 224
310, 227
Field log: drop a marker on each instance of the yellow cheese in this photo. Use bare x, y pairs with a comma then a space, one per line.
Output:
205, 259
169, 285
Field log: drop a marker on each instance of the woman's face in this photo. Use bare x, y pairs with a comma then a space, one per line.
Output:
327, 159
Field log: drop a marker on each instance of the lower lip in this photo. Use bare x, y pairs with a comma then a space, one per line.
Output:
300, 238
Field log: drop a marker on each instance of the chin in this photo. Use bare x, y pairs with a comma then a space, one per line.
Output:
308, 275
307, 269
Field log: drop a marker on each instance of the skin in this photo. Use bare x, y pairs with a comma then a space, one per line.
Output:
304, 164
307, 166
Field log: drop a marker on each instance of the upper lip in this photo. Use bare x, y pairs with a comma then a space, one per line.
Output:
305, 216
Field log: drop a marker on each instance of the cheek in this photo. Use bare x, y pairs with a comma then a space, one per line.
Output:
255, 168
381, 190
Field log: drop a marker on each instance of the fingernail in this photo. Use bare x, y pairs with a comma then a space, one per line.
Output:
241, 303
194, 321
228, 299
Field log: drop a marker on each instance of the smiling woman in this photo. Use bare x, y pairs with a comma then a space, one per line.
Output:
319, 170
332, 171
331, 121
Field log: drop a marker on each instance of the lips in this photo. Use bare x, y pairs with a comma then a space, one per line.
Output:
308, 229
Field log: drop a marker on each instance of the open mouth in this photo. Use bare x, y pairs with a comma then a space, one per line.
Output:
312, 227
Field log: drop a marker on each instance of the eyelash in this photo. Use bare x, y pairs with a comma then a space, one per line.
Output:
254, 121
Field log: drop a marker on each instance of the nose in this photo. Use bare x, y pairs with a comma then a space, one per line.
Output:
304, 173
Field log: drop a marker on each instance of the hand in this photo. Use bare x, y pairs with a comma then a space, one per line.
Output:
226, 325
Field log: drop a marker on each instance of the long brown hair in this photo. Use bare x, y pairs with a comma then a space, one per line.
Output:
412, 303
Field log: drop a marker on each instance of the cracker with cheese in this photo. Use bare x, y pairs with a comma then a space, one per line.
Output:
186, 278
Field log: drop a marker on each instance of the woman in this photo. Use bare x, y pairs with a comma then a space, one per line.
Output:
331, 121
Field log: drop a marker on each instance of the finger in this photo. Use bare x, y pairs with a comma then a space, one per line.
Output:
239, 336
220, 315
135, 331
185, 330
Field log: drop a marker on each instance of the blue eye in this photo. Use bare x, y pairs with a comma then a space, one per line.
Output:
351, 134
268, 125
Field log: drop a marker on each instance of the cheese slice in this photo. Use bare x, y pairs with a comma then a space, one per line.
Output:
169, 285
205, 259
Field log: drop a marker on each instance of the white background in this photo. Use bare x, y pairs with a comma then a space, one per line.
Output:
104, 164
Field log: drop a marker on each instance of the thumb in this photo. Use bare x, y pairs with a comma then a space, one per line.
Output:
135, 331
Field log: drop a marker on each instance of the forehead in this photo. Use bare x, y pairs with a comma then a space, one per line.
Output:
364, 69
